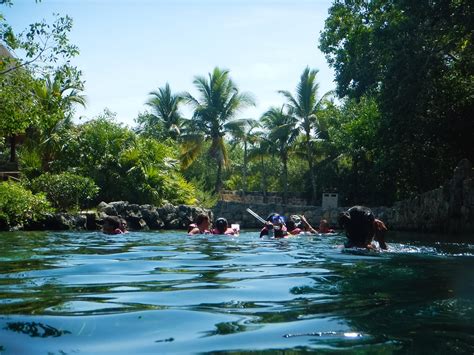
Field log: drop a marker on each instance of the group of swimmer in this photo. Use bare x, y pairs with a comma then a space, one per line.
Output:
361, 227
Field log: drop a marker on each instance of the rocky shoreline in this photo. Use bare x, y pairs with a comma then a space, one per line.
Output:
138, 217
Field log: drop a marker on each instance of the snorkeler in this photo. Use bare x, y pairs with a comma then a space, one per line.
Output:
275, 226
362, 228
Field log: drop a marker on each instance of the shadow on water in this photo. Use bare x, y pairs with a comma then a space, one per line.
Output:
34, 329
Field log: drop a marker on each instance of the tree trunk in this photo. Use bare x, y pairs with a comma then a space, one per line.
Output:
244, 177
218, 178
309, 156
284, 160
12, 148
264, 181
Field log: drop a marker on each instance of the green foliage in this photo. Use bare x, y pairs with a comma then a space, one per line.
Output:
66, 191
44, 45
17, 102
217, 105
165, 121
417, 60
17, 205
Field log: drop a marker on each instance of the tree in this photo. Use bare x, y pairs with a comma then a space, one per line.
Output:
244, 132
282, 134
218, 102
43, 45
165, 121
18, 110
417, 59
56, 98
305, 107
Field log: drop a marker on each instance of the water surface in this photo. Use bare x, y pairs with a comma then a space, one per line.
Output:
84, 293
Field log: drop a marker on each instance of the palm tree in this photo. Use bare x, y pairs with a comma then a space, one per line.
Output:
56, 97
244, 131
305, 107
282, 134
165, 116
218, 102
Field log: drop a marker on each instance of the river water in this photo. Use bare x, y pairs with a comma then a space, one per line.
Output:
165, 292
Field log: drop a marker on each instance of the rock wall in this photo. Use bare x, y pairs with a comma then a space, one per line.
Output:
449, 208
138, 217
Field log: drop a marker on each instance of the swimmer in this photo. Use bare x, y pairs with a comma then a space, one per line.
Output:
362, 228
113, 225
324, 227
222, 227
275, 226
201, 226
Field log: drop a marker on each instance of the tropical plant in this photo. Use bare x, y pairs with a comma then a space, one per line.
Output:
218, 102
304, 106
165, 121
66, 191
18, 109
55, 98
18, 205
282, 134
244, 132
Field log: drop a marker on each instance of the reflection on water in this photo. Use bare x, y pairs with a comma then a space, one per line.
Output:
169, 293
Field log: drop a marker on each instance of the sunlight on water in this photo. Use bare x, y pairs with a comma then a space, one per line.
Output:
170, 293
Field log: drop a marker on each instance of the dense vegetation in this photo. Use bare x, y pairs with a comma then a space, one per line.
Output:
399, 121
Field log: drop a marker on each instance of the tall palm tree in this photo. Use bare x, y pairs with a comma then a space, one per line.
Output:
218, 102
244, 132
305, 107
282, 135
165, 116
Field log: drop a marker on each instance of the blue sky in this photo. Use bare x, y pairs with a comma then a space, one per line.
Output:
129, 48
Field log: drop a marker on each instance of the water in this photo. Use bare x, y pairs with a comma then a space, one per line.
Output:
88, 293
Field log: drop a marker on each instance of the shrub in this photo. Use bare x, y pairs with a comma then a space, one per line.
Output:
66, 190
17, 205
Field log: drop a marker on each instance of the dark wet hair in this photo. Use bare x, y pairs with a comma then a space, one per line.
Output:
358, 222
201, 218
290, 225
112, 221
221, 224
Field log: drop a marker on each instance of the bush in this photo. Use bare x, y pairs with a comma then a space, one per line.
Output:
17, 205
66, 190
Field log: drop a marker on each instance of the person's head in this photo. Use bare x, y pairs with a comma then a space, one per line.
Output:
358, 223
323, 226
202, 220
294, 222
270, 216
221, 225
111, 224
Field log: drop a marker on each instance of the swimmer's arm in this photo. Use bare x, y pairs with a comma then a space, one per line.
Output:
379, 235
310, 227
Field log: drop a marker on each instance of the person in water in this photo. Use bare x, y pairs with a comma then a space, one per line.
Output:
113, 225
222, 227
201, 226
362, 228
275, 225
298, 224
324, 227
